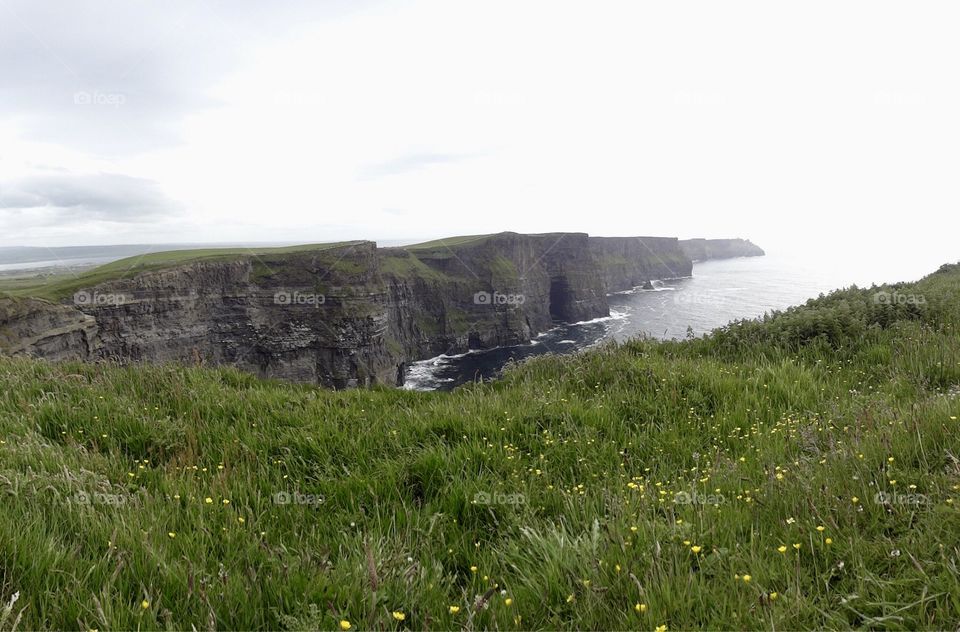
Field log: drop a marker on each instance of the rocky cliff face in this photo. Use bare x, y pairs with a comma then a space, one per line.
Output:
499, 290
704, 249
35, 327
341, 316
311, 317
628, 262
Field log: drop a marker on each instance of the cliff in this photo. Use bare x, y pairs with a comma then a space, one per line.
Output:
338, 315
704, 249
628, 262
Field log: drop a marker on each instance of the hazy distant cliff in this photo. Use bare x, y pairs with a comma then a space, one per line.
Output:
704, 249
628, 262
338, 315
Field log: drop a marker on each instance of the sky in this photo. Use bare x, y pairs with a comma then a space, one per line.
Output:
805, 127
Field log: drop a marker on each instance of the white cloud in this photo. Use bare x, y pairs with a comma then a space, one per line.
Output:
823, 124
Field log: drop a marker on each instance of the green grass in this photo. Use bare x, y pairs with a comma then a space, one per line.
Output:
64, 285
446, 242
832, 428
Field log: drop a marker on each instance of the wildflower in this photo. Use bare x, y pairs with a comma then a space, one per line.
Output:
854, 500
661, 628
570, 598
796, 545
773, 596
696, 549
508, 601
172, 535
821, 528
226, 502
399, 616
454, 609
144, 604
616, 567
640, 608
782, 548
208, 500
345, 625
746, 579
473, 569
829, 540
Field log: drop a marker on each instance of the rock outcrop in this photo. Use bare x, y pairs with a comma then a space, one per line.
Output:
705, 249
343, 316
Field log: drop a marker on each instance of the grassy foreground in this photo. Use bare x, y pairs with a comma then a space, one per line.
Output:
797, 473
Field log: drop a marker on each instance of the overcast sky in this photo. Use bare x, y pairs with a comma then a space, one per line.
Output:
798, 125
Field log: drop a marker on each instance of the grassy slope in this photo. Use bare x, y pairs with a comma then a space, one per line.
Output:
64, 285
449, 242
772, 429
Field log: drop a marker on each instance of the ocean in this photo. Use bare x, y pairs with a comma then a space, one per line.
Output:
719, 292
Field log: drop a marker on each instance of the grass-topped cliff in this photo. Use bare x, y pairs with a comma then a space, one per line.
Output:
63, 285
796, 473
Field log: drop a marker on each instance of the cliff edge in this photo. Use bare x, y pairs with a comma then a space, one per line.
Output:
337, 315
705, 249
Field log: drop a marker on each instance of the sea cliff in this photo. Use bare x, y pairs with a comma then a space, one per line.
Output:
704, 249
340, 315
